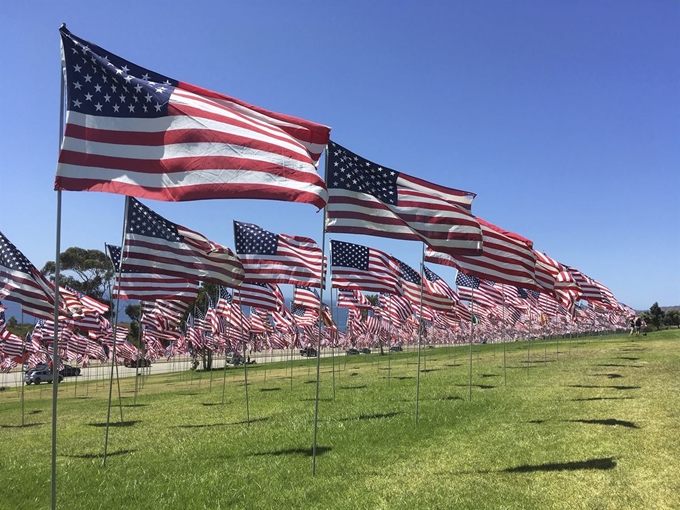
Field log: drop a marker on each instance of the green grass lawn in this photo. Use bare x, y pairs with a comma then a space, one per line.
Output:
593, 426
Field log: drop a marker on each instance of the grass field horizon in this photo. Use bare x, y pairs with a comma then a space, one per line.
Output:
593, 426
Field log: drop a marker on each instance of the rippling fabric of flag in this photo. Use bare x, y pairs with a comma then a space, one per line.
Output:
367, 198
277, 258
21, 282
506, 257
147, 286
361, 268
136, 132
158, 246
413, 286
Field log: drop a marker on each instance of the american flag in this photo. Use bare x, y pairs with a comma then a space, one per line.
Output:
396, 309
437, 285
555, 279
306, 296
11, 345
506, 257
303, 315
365, 269
481, 292
136, 132
79, 302
412, 282
259, 295
348, 298
547, 304
21, 282
163, 313
230, 309
146, 286
366, 198
283, 320
309, 298
277, 258
259, 320
590, 290
158, 246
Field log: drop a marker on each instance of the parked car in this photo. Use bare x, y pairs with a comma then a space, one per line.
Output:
139, 363
351, 352
69, 371
309, 352
34, 376
365, 350
396, 348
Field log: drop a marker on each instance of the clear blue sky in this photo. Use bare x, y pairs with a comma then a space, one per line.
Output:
563, 117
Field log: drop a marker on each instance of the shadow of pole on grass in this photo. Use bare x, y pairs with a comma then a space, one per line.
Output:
99, 455
307, 452
602, 464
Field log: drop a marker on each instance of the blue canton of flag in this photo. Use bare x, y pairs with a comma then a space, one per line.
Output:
103, 84
408, 273
359, 174
251, 239
224, 294
465, 280
349, 255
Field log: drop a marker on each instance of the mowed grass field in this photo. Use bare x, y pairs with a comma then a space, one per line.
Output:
593, 423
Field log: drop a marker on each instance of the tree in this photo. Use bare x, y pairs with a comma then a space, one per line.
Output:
656, 316
135, 314
92, 268
672, 318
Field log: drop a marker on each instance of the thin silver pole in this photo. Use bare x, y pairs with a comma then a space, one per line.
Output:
224, 376
23, 361
505, 370
318, 346
57, 267
245, 364
115, 339
389, 342
472, 333
420, 329
319, 322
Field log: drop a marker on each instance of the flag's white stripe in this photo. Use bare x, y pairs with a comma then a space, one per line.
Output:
187, 179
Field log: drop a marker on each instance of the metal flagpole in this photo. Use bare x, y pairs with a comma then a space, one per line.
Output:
333, 343
505, 369
319, 322
472, 332
21, 382
245, 365
529, 340
134, 401
224, 377
389, 340
55, 344
115, 338
420, 330
318, 347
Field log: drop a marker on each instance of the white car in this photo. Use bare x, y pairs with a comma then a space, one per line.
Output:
36, 376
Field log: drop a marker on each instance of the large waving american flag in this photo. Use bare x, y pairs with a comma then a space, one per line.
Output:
366, 198
158, 246
277, 258
136, 132
361, 268
506, 258
145, 286
21, 282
